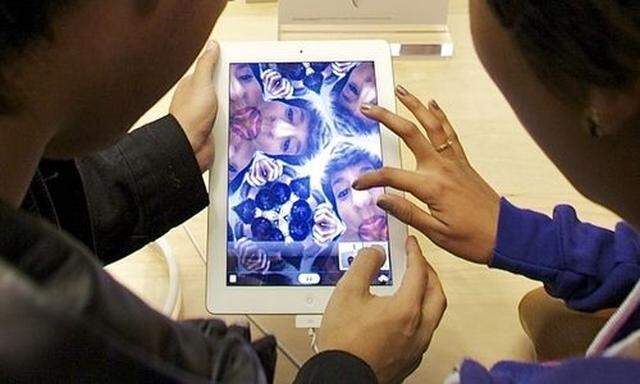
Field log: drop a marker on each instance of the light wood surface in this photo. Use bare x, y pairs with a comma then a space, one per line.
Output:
481, 321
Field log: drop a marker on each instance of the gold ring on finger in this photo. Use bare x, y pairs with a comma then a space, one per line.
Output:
445, 146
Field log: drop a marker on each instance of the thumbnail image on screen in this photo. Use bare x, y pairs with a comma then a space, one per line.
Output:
297, 142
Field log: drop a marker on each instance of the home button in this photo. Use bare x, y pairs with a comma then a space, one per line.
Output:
310, 301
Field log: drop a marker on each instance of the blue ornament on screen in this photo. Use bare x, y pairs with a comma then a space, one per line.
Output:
320, 66
277, 236
314, 82
262, 229
230, 238
302, 187
301, 211
246, 211
265, 199
292, 71
299, 229
281, 192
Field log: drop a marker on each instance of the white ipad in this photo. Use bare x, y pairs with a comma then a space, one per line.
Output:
285, 223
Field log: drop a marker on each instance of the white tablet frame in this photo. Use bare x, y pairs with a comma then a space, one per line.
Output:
224, 299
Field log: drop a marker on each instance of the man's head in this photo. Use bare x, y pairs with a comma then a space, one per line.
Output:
245, 89
86, 70
571, 71
293, 129
356, 88
364, 220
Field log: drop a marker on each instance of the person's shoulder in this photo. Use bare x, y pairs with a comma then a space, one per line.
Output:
23, 233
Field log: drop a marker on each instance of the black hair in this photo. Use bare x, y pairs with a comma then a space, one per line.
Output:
255, 69
588, 43
319, 132
22, 23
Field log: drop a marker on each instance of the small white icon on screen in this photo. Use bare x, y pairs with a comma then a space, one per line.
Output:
233, 279
383, 279
309, 278
349, 251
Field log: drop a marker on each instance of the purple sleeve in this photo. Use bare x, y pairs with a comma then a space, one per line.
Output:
589, 267
595, 371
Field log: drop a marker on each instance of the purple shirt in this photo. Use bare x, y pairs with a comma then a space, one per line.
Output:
590, 268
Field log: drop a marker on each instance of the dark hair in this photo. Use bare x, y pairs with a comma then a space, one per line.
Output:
21, 23
255, 69
342, 156
319, 133
588, 43
345, 121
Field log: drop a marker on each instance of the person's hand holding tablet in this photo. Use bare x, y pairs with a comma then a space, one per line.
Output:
195, 105
464, 209
389, 333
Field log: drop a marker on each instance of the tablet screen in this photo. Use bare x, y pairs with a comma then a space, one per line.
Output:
297, 142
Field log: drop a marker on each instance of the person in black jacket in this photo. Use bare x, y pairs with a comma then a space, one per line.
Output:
76, 192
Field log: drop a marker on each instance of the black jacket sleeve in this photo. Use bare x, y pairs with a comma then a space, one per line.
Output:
137, 190
65, 320
335, 367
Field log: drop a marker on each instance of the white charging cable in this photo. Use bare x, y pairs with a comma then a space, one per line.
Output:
314, 340
173, 302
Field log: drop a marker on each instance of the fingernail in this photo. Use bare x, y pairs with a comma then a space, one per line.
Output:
355, 184
384, 204
401, 90
412, 241
434, 105
211, 45
366, 107
379, 249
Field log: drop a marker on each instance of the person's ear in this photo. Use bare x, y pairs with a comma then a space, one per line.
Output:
613, 112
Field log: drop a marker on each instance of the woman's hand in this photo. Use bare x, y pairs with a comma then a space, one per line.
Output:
390, 333
463, 208
195, 106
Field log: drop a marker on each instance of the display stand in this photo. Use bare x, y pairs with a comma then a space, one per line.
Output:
412, 27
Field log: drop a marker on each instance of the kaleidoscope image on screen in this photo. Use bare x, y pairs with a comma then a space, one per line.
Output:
297, 143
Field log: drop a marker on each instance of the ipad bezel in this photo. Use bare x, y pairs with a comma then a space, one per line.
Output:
224, 299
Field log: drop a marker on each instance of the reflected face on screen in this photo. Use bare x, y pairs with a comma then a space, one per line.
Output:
364, 220
285, 129
245, 91
359, 89
240, 154
245, 99
274, 128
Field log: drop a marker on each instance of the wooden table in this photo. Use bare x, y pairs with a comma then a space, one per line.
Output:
482, 318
